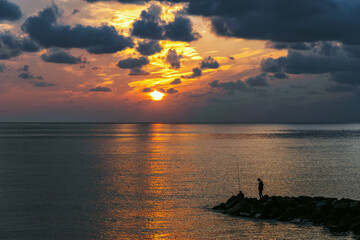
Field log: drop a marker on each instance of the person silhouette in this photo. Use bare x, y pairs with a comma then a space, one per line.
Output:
261, 188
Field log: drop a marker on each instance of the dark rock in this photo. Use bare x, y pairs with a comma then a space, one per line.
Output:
337, 215
231, 202
355, 228
220, 207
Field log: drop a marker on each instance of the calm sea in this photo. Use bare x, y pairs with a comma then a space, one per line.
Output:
160, 181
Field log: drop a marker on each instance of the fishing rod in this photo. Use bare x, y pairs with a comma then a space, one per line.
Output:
238, 172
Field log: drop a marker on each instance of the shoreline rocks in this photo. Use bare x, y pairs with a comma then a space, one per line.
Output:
337, 215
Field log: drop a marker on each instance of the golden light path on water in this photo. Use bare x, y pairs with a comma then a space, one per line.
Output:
161, 181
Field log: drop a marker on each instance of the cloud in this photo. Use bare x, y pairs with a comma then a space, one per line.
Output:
138, 72
283, 20
172, 91
176, 81
151, 26
75, 11
258, 80
340, 88
120, 1
100, 89
209, 62
95, 68
173, 59
130, 63
149, 48
351, 78
230, 86
196, 73
181, 29
9, 11
12, 46
26, 75
44, 29
60, 56
2, 67
285, 45
320, 59
43, 84
25, 68
280, 75
147, 90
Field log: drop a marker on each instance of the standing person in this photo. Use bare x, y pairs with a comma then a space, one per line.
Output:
261, 188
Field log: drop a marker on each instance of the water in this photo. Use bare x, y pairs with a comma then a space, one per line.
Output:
159, 181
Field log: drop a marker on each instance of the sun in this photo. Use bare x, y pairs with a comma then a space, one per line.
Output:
157, 96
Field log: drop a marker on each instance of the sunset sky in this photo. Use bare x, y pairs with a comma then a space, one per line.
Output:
180, 60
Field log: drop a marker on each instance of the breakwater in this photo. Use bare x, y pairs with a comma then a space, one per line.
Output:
337, 215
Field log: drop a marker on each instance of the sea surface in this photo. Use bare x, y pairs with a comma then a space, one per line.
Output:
160, 181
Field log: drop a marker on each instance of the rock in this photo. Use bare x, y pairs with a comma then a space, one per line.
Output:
231, 202
264, 198
237, 207
355, 228
220, 207
321, 204
337, 215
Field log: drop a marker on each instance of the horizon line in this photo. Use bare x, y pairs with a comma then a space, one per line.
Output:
96, 122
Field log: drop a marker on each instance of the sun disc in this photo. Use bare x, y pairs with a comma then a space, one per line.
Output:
157, 96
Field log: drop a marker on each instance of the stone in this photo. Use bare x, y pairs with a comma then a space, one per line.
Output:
336, 215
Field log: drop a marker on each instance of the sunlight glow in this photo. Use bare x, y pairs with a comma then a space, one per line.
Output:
157, 96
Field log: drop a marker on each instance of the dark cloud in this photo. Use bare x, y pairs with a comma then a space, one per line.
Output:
340, 88
9, 11
149, 48
297, 86
100, 89
271, 65
26, 75
60, 56
75, 11
44, 29
173, 59
147, 90
2, 67
151, 26
285, 45
12, 46
196, 73
351, 78
283, 20
95, 68
120, 1
172, 91
322, 58
130, 63
258, 80
24, 68
43, 84
209, 62
280, 75
138, 72
230, 86
176, 81
181, 29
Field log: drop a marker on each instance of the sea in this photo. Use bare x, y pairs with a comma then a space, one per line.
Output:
160, 181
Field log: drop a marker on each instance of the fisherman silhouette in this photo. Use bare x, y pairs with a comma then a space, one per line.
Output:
261, 188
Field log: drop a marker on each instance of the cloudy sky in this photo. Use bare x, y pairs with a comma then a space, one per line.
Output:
207, 60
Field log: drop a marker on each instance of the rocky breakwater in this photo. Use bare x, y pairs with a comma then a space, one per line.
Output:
337, 215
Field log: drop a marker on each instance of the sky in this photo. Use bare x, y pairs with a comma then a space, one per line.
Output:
179, 61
